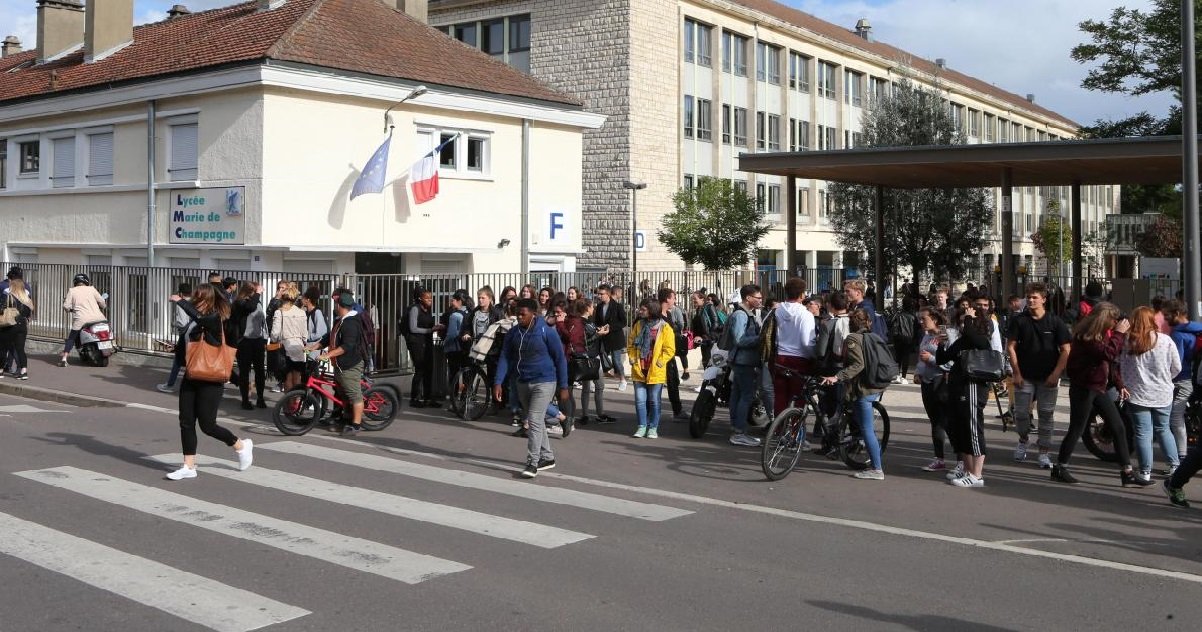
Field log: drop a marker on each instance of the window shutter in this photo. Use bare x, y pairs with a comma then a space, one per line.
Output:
64, 162
100, 159
184, 145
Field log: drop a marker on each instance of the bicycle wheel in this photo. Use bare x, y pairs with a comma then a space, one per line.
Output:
782, 444
458, 391
702, 413
851, 445
477, 398
379, 408
296, 412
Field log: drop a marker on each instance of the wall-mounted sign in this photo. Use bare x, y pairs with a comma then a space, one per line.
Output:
208, 216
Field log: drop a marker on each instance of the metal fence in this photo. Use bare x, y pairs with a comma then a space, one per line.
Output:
141, 315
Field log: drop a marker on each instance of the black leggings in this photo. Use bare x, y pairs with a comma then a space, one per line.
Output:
901, 352
673, 388
422, 383
1081, 404
251, 354
198, 402
936, 413
12, 347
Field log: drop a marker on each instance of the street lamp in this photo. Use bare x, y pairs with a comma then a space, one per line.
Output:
634, 186
416, 92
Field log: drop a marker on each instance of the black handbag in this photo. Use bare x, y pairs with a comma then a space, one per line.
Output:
982, 365
581, 367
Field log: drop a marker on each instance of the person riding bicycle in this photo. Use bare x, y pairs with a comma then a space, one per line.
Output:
347, 346
85, 305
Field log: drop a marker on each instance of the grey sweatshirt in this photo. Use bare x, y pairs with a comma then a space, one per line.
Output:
1149, 375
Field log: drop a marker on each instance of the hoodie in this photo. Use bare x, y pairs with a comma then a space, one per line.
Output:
535, 353
879, 326
795, 329
1185, 337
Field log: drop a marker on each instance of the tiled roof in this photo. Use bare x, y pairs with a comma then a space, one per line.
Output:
846, 36
361, 36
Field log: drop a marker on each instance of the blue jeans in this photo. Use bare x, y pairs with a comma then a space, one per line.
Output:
646, 403
744, 383
619, 359
1148, 422
863, 411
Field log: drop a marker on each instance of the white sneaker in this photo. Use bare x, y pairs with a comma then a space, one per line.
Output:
555, 431
182, 473
869, 475
165, 388
956, 473
1045, 461
899, 380
744, 439
622, 386
968, 480
1020, 452
246, 455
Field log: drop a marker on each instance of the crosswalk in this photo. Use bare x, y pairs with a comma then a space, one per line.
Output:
227, 608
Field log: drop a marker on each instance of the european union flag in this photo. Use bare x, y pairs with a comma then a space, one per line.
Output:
372, 178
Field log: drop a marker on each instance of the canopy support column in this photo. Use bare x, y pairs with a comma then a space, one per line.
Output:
1078, 287
1007, 234
791, 226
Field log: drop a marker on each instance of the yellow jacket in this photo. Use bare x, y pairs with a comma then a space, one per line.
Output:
663, 353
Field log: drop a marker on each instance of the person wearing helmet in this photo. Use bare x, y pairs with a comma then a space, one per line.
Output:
85, 305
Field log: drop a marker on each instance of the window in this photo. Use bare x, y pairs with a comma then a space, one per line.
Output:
974, 123
476, 153
851, 139
827, 138
1003, 130
990, 128
688, 116
957, 112
741, 186
761, 134
704, 120
446, 157
467, 155
518, 51
3, 163
734, 54
799, 72
761, 195
774, 132
774, 199
803, 202
879, 90
31, 156
853, 88
799, 135
100, 159
507, 39
688, 181
826, 80
492, 37
466, 33
184, 148
1016, 132
705, 35
690, 41
725, 124
767, 63
740, 127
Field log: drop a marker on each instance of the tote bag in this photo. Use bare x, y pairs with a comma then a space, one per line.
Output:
9, 316
207, 363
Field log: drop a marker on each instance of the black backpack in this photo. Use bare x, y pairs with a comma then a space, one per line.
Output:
403, 324
880, 367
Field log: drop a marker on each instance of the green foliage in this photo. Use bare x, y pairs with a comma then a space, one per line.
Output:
937, 230
714, 224
1053, 231
1162, 238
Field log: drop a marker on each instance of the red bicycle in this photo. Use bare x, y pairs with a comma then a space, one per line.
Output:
302, 408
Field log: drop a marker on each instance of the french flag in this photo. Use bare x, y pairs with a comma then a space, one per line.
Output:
423, 175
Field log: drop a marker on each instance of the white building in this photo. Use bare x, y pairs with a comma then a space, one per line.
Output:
263, 115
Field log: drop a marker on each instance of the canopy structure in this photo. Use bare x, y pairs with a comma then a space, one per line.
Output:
1146, 160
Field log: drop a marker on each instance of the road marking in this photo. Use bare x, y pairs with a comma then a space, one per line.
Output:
554, 495
26, 408
197, 599
336, 548
485, 524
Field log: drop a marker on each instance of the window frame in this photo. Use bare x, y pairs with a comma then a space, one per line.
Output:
828, 80
58, 142
687, 116
35, 156
704, 121
761, 130
690, 40
773, 132
3, 164
773, 64
740, 140
428, 137
705, 45
727, 123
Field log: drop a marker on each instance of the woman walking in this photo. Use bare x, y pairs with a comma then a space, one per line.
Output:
12, 338
651, 347
966, 420
486, 313
1148, 365
420, 342
857, 394
1098, 339
199, 400
933, 381
289, 328
252, 344
592, 349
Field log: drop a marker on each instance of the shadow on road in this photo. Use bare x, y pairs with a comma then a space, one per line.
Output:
925, 623
92, 445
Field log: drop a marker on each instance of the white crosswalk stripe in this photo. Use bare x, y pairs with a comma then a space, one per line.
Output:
354, 553
183, 594
520, 489
495, 526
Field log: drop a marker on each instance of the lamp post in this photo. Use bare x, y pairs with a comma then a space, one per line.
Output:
1189, 150
416, 92
634, 186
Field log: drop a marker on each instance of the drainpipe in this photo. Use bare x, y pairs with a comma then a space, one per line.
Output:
150, 184
525, 265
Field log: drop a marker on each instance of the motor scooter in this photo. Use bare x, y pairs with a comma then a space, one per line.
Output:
96, 343
715, 390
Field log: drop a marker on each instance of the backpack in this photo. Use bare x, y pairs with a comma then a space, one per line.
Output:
403, 324
824, 347
768, 339
726, 341
369, 328
901, 326
880, 367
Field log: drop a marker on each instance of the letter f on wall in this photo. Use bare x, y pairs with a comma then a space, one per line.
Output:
556, 224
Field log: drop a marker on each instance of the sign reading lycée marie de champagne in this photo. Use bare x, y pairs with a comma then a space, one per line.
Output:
208, 216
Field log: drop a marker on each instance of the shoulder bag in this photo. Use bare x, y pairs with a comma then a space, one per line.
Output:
207, 363
982, 365
10, 315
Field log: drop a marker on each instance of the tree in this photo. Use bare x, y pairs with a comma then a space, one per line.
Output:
1162, 238
1053, 230
937, 230
714, 224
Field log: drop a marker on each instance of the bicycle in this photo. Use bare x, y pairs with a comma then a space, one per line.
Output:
471, 392
302, 408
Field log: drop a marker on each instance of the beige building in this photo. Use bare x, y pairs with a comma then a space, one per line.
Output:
688, 85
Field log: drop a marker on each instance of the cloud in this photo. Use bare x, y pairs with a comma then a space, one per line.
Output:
1018, 45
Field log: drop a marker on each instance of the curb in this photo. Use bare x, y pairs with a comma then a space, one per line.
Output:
59, 397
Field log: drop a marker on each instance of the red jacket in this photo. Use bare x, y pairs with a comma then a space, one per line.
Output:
571, 332
1089, 363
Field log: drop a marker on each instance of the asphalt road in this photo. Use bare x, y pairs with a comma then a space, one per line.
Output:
426, 526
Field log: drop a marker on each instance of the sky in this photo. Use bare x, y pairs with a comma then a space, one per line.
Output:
1018, 45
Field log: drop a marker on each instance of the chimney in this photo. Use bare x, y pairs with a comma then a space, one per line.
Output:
109, 27
178, 11
864, 29
1031, 97
418, 9
941, 63
60, 27
11, 46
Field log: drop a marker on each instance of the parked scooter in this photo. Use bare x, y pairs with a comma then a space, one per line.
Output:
96, 343
715, 390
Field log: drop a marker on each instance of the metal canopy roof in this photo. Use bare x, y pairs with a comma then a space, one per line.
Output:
1144, 160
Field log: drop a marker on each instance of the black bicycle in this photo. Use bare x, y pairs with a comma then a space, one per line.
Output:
471, 394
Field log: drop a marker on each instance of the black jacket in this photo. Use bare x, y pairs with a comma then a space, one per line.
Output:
615, 317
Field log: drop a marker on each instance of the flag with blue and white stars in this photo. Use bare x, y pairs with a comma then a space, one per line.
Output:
372, 178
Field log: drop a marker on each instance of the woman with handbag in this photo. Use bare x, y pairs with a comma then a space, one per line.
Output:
966, 423
584, 364
933, 381
290, 330
652, 345
210, 359
18, 309
1098, 340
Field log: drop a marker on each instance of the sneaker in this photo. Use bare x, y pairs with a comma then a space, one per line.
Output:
583, 420
899, 380
165, 388
1176, 495
555, 431
606, 419
1171, 471
744, 439
520, 432
1020, 452
1061, 474
351, 430
640, 432
956, 472
622, 386
246, 455
516, 421
652, 433
935, 466
968, 480
63, 362
869, 475
567, 424
530, 470
546, 464
1142, 479
1045, 461
23, 376
182, 473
